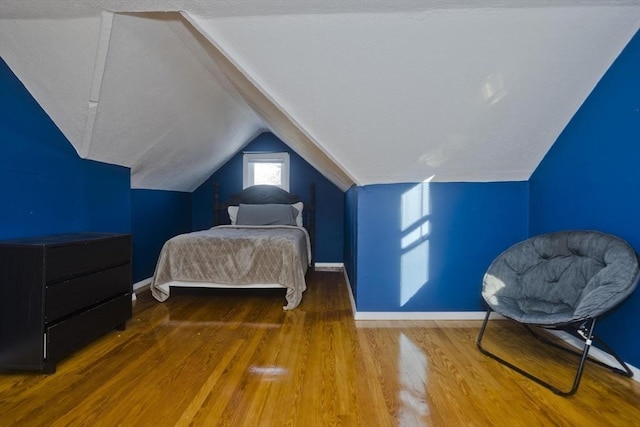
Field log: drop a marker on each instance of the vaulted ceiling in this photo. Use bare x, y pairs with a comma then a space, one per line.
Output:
368, 92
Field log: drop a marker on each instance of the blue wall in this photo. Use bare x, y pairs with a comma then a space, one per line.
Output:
45, 187
590, 179
425, 247
157, 216
329, 198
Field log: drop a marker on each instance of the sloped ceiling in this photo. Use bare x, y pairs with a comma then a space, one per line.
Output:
368, 92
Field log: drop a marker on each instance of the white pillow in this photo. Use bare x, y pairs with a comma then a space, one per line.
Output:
233, 213
299, 206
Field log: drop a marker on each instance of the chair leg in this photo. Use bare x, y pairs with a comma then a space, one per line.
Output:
580, 334
576, 381
627, 371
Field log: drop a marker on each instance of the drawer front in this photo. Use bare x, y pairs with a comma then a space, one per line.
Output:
64, 298
86, 256
21, 309
70, 334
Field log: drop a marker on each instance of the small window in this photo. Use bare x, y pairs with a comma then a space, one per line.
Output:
266, 168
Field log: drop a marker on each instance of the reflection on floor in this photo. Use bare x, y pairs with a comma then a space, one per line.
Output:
223, 357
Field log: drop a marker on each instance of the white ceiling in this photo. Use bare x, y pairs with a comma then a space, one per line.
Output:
368, 92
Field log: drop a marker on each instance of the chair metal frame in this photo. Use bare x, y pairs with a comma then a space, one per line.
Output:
583, 330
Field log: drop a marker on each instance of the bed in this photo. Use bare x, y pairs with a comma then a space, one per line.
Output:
262, 238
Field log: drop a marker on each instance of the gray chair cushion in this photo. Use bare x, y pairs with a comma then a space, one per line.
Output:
562, 277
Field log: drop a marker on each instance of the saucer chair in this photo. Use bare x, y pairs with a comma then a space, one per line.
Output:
562, 281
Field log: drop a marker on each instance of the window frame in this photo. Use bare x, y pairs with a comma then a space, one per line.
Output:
249, 158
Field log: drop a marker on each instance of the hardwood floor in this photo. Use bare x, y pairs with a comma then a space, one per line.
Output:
219, 357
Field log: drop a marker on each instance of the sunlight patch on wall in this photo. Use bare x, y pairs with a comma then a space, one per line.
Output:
414, 271
414, 243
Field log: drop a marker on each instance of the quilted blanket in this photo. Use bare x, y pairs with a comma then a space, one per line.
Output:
240, 255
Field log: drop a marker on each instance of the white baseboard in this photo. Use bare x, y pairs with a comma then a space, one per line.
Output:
420, 315
351, 299
142, 285
411, 315
329, 266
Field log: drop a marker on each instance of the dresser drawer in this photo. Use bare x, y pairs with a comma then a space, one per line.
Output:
74, 259
72, 333
69, 296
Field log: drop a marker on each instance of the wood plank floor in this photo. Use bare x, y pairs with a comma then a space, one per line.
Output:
219, 357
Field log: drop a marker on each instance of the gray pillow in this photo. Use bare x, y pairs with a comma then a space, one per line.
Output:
267, 214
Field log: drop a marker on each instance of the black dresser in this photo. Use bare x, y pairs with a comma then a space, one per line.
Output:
58, 293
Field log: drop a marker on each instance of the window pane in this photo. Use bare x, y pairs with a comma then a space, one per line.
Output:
267, 173
265, 168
